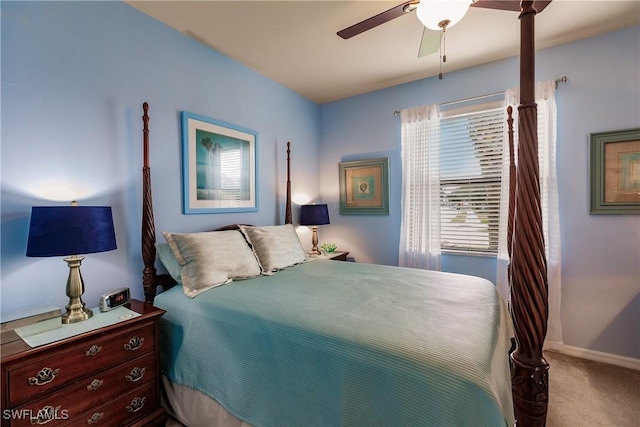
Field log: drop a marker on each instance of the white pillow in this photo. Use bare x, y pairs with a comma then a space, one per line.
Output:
276, 246
211, 259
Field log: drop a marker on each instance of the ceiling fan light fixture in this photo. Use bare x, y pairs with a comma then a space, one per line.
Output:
432, 12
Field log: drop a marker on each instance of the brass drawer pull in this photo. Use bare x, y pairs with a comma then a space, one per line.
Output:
95, 384
45, 376
136, 404
93, 350
95, 418
134, 344
136, 374
45, 415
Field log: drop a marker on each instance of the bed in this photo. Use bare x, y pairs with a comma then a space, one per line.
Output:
378, 346
336, 343
293, 340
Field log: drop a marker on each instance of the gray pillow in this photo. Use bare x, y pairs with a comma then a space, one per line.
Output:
276, 246
169, 261
211, 259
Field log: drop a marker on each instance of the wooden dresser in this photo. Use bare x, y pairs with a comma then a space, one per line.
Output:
108, 377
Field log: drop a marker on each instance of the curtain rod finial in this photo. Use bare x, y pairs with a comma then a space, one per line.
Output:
562, 79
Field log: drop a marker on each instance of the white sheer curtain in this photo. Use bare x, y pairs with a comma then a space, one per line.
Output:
420, 228
547, 115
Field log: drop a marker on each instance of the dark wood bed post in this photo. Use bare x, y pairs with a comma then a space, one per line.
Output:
529, 288
512, 186
148, 225
287, 212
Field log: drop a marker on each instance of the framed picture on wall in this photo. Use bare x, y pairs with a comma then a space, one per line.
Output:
615, 172
219, 166
364, 187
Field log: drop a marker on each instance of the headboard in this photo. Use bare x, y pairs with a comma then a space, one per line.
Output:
151, 280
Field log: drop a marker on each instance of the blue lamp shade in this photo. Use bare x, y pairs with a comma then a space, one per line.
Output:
70, 230
314, 214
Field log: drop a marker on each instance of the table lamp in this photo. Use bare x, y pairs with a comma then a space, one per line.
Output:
70, 231
314, 215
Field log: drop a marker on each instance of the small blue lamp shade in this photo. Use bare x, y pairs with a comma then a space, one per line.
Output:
71, 231
314, 214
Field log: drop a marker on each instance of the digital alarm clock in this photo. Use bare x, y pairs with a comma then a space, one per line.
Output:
114, 299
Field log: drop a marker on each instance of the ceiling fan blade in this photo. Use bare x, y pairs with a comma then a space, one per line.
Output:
513, 5
378, 19
430, 42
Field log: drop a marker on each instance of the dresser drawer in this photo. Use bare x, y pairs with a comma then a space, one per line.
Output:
92, 391
122, 411
70, 364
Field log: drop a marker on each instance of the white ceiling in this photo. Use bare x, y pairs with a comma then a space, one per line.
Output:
295, 42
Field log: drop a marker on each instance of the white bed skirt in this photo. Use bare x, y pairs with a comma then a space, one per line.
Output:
195, 409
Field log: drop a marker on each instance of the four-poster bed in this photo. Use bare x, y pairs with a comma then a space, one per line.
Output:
527, 268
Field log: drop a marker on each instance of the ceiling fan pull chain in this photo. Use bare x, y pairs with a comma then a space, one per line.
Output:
443, 56
444, 44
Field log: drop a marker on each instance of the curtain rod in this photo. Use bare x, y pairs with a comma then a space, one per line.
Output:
562, 79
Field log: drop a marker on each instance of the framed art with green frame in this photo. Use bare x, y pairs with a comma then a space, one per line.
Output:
364, 187
615, 172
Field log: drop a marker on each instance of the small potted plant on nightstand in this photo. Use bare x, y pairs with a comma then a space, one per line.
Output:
328, 248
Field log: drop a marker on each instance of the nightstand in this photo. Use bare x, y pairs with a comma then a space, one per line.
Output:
336, 256
107, 376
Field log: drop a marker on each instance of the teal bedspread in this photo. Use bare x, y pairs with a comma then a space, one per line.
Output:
330, 343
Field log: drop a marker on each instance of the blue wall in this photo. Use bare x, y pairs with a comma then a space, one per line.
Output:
600, 307
74, 77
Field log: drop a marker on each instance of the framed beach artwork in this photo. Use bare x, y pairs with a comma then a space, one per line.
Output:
364, 187
615, 172
219, 166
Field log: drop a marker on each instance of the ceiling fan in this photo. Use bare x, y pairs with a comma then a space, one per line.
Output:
429, 13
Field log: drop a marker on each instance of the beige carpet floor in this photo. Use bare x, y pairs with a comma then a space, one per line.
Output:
584, 393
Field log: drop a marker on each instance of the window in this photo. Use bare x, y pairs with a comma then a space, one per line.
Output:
453, 161
471, 156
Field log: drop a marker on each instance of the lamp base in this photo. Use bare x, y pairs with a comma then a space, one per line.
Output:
76, 315
314, 242
76, 311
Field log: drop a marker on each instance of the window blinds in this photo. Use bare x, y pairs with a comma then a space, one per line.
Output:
470, 178
231, 174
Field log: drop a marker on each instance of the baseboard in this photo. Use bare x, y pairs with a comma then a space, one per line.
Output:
553, 346
598, 356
